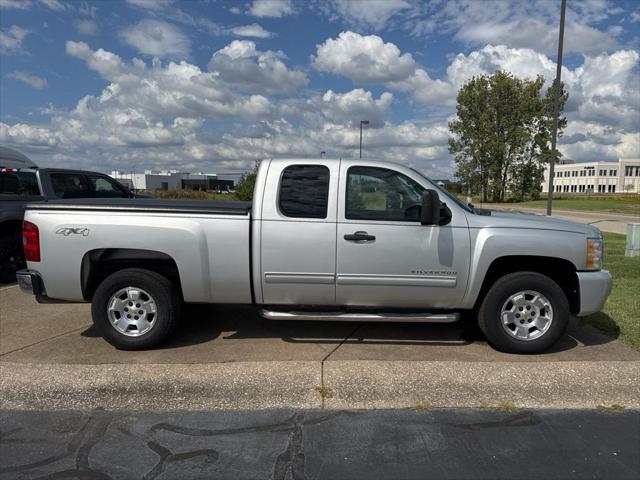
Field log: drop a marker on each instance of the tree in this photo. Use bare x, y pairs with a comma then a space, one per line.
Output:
244, 188
501, 136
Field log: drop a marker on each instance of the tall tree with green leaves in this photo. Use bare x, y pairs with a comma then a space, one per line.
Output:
246, 184
501, 136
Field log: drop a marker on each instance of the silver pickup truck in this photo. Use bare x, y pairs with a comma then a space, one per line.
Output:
346, 240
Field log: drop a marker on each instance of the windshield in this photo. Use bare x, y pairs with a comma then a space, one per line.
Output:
448, 194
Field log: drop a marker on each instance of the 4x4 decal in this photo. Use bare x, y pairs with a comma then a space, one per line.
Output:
66, 231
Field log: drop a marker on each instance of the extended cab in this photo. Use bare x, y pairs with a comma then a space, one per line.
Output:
324, 239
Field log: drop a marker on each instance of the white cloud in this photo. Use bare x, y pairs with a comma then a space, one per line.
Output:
20, 4
86, 26
364, 59
519, 24
55, 5
271, 8
11, 39
253, 30
151, 4
157, 38
242, 65
589, 141
353, 106
28, 79
370, 14
533, 33
162, 90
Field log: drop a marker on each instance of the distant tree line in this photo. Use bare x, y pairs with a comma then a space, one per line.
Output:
501, 138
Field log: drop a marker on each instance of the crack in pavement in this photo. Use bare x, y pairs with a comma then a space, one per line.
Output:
43, 341
322, 385
82, 443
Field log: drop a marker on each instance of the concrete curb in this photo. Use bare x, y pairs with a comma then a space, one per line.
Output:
295, 385
224, 386
479, 384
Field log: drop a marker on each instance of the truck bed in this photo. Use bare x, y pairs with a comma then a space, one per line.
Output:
147, 205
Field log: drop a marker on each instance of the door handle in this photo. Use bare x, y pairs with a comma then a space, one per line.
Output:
359, 237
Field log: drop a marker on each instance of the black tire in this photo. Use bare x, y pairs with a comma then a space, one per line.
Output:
165, 296
489, 315
11, 257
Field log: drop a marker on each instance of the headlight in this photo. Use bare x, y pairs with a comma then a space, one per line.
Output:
595, 247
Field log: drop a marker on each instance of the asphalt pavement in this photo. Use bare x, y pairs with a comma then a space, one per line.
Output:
285, 444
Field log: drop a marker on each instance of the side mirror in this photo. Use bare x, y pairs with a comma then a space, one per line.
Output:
430, 214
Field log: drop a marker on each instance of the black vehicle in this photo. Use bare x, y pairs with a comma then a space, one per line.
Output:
19, 186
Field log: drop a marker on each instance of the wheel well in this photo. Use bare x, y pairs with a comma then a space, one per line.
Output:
561, 271
11, 226
99, 264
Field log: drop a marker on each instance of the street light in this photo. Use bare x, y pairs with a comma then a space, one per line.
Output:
556, 108
362, 122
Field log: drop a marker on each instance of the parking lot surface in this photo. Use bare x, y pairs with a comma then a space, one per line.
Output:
228, 357
399, 444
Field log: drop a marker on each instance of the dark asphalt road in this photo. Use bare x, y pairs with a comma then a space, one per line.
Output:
394, 444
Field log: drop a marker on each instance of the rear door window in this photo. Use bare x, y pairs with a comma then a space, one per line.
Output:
304, 191
70, 185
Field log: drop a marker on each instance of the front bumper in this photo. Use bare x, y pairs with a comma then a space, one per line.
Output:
595, 287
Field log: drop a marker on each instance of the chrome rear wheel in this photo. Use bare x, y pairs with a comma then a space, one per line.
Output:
132, 311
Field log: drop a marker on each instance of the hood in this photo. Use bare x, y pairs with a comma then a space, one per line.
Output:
504, 219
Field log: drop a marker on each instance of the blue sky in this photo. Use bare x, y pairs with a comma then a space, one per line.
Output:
214, 85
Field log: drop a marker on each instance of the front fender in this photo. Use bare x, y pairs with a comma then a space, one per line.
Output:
492, 243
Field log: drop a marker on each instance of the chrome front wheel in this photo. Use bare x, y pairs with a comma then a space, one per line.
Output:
527, 315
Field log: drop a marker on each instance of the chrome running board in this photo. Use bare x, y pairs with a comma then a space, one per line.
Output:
362, 317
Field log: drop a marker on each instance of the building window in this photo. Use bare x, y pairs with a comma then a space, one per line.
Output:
304, 191
613, 173
632, 171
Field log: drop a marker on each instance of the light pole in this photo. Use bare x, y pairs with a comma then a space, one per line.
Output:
556, 107
362, 122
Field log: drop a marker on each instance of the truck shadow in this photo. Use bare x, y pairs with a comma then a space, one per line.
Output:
205, 323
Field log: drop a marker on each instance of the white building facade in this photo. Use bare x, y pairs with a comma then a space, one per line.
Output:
150, 180
622, 176
175, 180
